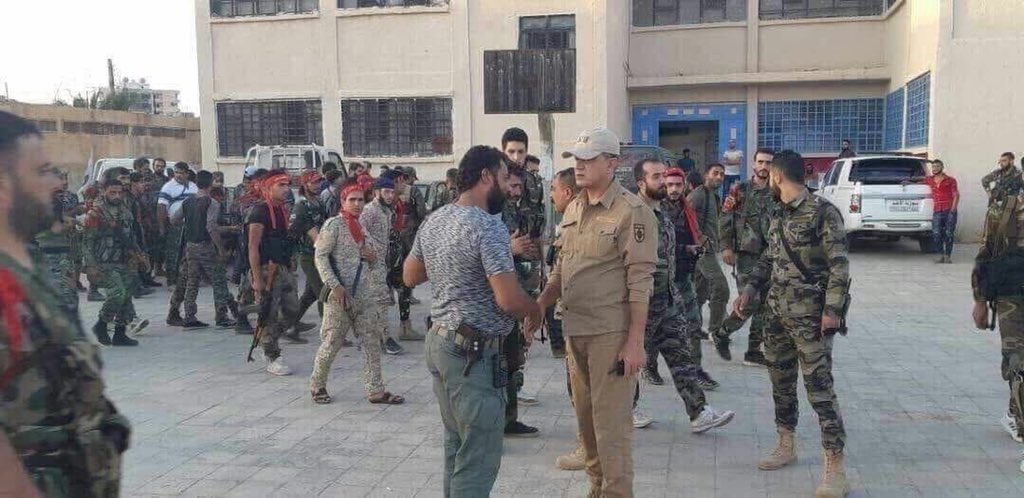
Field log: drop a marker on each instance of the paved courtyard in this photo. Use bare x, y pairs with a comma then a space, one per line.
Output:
919, 388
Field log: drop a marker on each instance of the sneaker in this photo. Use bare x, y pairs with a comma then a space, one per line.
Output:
519, 429
754, 359
709, 419
640, 419
652, 376
706, 382
527, 399
722, 346
392, 347
137, 327
1010, 426
574, 460
194, 324
174, 319
277, 367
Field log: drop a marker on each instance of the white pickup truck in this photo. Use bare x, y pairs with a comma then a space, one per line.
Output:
881, 196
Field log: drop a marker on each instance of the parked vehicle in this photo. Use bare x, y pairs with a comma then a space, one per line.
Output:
97, 169
294, 159
881, 196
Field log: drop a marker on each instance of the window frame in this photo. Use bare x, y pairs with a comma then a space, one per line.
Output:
258, 121
389, 4
650, 10
805, 10
298, 7
567, 32
397, 127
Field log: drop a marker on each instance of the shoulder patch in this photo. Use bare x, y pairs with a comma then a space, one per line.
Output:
639, 232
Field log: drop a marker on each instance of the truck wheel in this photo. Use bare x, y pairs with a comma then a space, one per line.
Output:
926, 245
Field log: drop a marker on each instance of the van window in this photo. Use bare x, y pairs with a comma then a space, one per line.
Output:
885, 171
832, 177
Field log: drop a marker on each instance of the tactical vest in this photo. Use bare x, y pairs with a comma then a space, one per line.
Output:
195, 209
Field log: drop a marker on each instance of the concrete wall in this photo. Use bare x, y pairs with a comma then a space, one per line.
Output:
975, 93
688, 50
72, 151
911, 40
821, 44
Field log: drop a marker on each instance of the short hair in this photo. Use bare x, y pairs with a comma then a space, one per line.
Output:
452, 174
181, 166
328, 166
638, 168
218, 174
695, 179
112, 182
1009, 155
12, 128
685, 151
352, 167
155, 159
514, 135
136, 177
519, 173
764, 150
567, 178
116, 172
939, 162
708, 168
204, 179
218, 192
532, 159
791, 164
845, 140
332, 175
260, 174
477, 159
140, 162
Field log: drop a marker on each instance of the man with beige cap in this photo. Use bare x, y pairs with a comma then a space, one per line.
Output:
603, 276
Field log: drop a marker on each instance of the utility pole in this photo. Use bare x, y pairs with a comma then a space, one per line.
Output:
110, 75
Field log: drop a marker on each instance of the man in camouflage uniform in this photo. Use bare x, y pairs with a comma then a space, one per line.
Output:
414, 211
709, 280
446, 192
998, 283
743, 235
67, 437
805, 273
666, 322
307, 218
110, 248
55, 244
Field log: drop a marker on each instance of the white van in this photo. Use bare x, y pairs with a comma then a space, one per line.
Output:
881, 196
95, 171
294, 159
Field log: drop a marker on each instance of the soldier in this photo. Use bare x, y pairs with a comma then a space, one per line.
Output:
604, 278
204, 255
805, 274
446, 192
998, 285
270, 252
306, 220
172, 195
516, 145
145, 213
54, 245
666, 329
329, 197
240, 209
131, 201
712, 287
743, 234
414, 211
1003, 182
378, 218
67, 436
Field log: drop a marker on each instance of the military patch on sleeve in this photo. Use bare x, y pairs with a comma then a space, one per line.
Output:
639, 232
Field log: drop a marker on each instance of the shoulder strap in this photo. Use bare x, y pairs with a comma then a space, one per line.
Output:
794, 257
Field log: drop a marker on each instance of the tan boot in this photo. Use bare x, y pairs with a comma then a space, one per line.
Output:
574, 460
833, 479
408, 334
783, 454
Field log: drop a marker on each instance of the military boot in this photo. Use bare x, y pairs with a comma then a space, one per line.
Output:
574, 460
833, 479
174, 318
408, 334
242, 325
122, 339
783, 454
100, 330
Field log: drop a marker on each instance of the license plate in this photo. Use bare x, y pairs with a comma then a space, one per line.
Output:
903, 205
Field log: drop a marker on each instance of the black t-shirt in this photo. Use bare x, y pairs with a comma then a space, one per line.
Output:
275, 245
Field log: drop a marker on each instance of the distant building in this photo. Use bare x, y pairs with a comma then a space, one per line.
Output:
145, 99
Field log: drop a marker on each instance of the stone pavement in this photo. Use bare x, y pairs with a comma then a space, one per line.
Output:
919, 388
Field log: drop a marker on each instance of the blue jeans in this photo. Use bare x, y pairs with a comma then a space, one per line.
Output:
943, 228
473, 412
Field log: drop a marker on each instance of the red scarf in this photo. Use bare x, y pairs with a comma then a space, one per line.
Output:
399, 213
691, 218
11, 293
354, 227
272, 210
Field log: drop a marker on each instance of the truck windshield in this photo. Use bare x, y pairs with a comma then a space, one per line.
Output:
886, 171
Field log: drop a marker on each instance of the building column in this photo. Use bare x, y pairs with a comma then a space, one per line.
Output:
330, 101
207, 107
753, 66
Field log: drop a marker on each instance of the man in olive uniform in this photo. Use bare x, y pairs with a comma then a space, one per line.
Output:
806, 275
1003, 182
446, 192
414, 211
50, 377
743, 236
305, 222
712, 287
110, 247
55, 244
998, 284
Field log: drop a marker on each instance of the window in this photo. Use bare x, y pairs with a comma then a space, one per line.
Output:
158, 131
543, 32
360, 4
671, 12
95, 128
917, 111
241, 125
885, 171
820, 125
806, 9
528, 81
832, 176
45, 125
894, 103
418, 127
237, 8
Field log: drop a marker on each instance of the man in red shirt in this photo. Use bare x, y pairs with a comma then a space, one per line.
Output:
946, 197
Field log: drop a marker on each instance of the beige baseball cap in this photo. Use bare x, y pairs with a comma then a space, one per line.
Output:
592, 143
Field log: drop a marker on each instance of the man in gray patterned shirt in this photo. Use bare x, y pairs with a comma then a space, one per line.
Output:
466, 253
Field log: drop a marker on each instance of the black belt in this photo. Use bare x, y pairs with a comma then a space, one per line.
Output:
462, 337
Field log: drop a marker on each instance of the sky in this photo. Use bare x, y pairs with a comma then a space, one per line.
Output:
60, 47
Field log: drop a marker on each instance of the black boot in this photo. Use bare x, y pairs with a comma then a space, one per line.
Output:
122, 339
174, 318
242, 326
148, 281
100, 330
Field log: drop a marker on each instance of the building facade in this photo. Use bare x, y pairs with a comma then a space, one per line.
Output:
145, 99
419, 81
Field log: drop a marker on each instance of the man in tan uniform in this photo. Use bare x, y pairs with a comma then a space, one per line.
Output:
603, 276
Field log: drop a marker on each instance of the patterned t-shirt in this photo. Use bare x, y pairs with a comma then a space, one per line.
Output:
461, 248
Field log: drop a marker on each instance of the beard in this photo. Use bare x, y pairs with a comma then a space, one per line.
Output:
776, 191
762, 174
656, 194
29, 216
113, 202
495, 199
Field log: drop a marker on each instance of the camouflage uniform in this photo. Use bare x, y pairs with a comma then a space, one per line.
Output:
56, 253
307, 214
442, 196
364, 315
743, 229
1000, 184
109, 242
688, 304
712, 287
1004, 237
67, 434
793, 342
415, 213
667, 326
201, 259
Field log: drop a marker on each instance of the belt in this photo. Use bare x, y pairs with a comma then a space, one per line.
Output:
463, 335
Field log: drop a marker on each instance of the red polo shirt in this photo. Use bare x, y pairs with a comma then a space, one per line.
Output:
942, 193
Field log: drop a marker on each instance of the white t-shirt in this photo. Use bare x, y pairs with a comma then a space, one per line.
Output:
732, 159
172, 194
